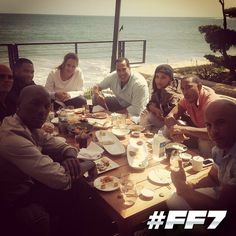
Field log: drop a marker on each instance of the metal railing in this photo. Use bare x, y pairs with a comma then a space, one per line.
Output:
134, 50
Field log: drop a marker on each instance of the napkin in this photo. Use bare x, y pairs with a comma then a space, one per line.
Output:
98, 108
92, 152
135, 119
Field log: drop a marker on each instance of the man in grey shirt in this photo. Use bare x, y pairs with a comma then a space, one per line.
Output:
130, 90
37, 170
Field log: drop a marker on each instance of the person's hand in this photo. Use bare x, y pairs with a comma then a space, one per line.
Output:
48, 127
177, 133
179, 179
179, 138
170, 121
152, 107
62, 96
176, 130
72, 166
100, 99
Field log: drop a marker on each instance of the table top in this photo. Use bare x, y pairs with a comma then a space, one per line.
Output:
112, 202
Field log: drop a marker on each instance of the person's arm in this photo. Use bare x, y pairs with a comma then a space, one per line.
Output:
139, 100
55, 148
185, 189
78, 89
175, 113
210, 180
189, 131
50, 84
99, 98
33, 163
81, 80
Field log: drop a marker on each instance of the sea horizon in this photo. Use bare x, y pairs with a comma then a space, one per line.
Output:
172, 40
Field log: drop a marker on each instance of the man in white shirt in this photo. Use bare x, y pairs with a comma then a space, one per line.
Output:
130, 90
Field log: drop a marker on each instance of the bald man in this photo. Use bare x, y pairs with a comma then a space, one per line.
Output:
220, 117
6, 83
37, 170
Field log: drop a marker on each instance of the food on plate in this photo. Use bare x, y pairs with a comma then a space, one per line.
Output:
102, 133
107, 142
135, 134
99, 115
149, 134
108, 182
136, 128
103, 164
132, 153
140, 143
79, 110
177, 146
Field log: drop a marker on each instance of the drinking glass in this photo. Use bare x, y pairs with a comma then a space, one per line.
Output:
128, 190
174, 160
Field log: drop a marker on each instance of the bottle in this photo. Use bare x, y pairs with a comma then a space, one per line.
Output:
158, 146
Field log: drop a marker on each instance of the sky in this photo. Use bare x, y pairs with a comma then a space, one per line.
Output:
174, 8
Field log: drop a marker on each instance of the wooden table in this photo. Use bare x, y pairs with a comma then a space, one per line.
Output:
127, 218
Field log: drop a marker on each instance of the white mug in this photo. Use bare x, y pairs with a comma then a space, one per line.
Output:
197, 163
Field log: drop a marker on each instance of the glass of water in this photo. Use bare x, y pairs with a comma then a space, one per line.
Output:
128, 190
174, 160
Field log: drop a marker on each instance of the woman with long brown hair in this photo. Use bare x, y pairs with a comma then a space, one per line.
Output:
65, 83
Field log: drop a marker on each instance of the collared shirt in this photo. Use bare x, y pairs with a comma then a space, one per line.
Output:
24, 158
134, 95
196, 111
226, 165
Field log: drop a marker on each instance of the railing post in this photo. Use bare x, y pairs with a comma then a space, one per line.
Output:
13, 54
76, 48
115, 35
144, 51
121, 49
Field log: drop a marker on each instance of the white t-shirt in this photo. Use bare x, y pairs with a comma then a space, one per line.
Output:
134, 95
74, 85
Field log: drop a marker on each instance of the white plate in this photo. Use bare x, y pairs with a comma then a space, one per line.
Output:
120, 132
101, 184
114, 146
55, 120
160, 176
134, 127
137, 156
185, 156
105, 164
99, 115
147, 193
178, 146
100, 124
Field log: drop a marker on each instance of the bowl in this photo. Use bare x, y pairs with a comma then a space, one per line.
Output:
147, 193
134, 127
185, 156
149, 135
135, 134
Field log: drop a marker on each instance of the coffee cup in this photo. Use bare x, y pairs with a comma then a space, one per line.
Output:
197, 163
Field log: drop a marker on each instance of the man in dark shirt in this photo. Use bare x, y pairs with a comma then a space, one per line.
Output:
23, 76
6, 82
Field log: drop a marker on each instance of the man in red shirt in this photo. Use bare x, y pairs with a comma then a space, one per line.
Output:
196, 98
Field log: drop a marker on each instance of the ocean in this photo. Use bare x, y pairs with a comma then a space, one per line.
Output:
172, 40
